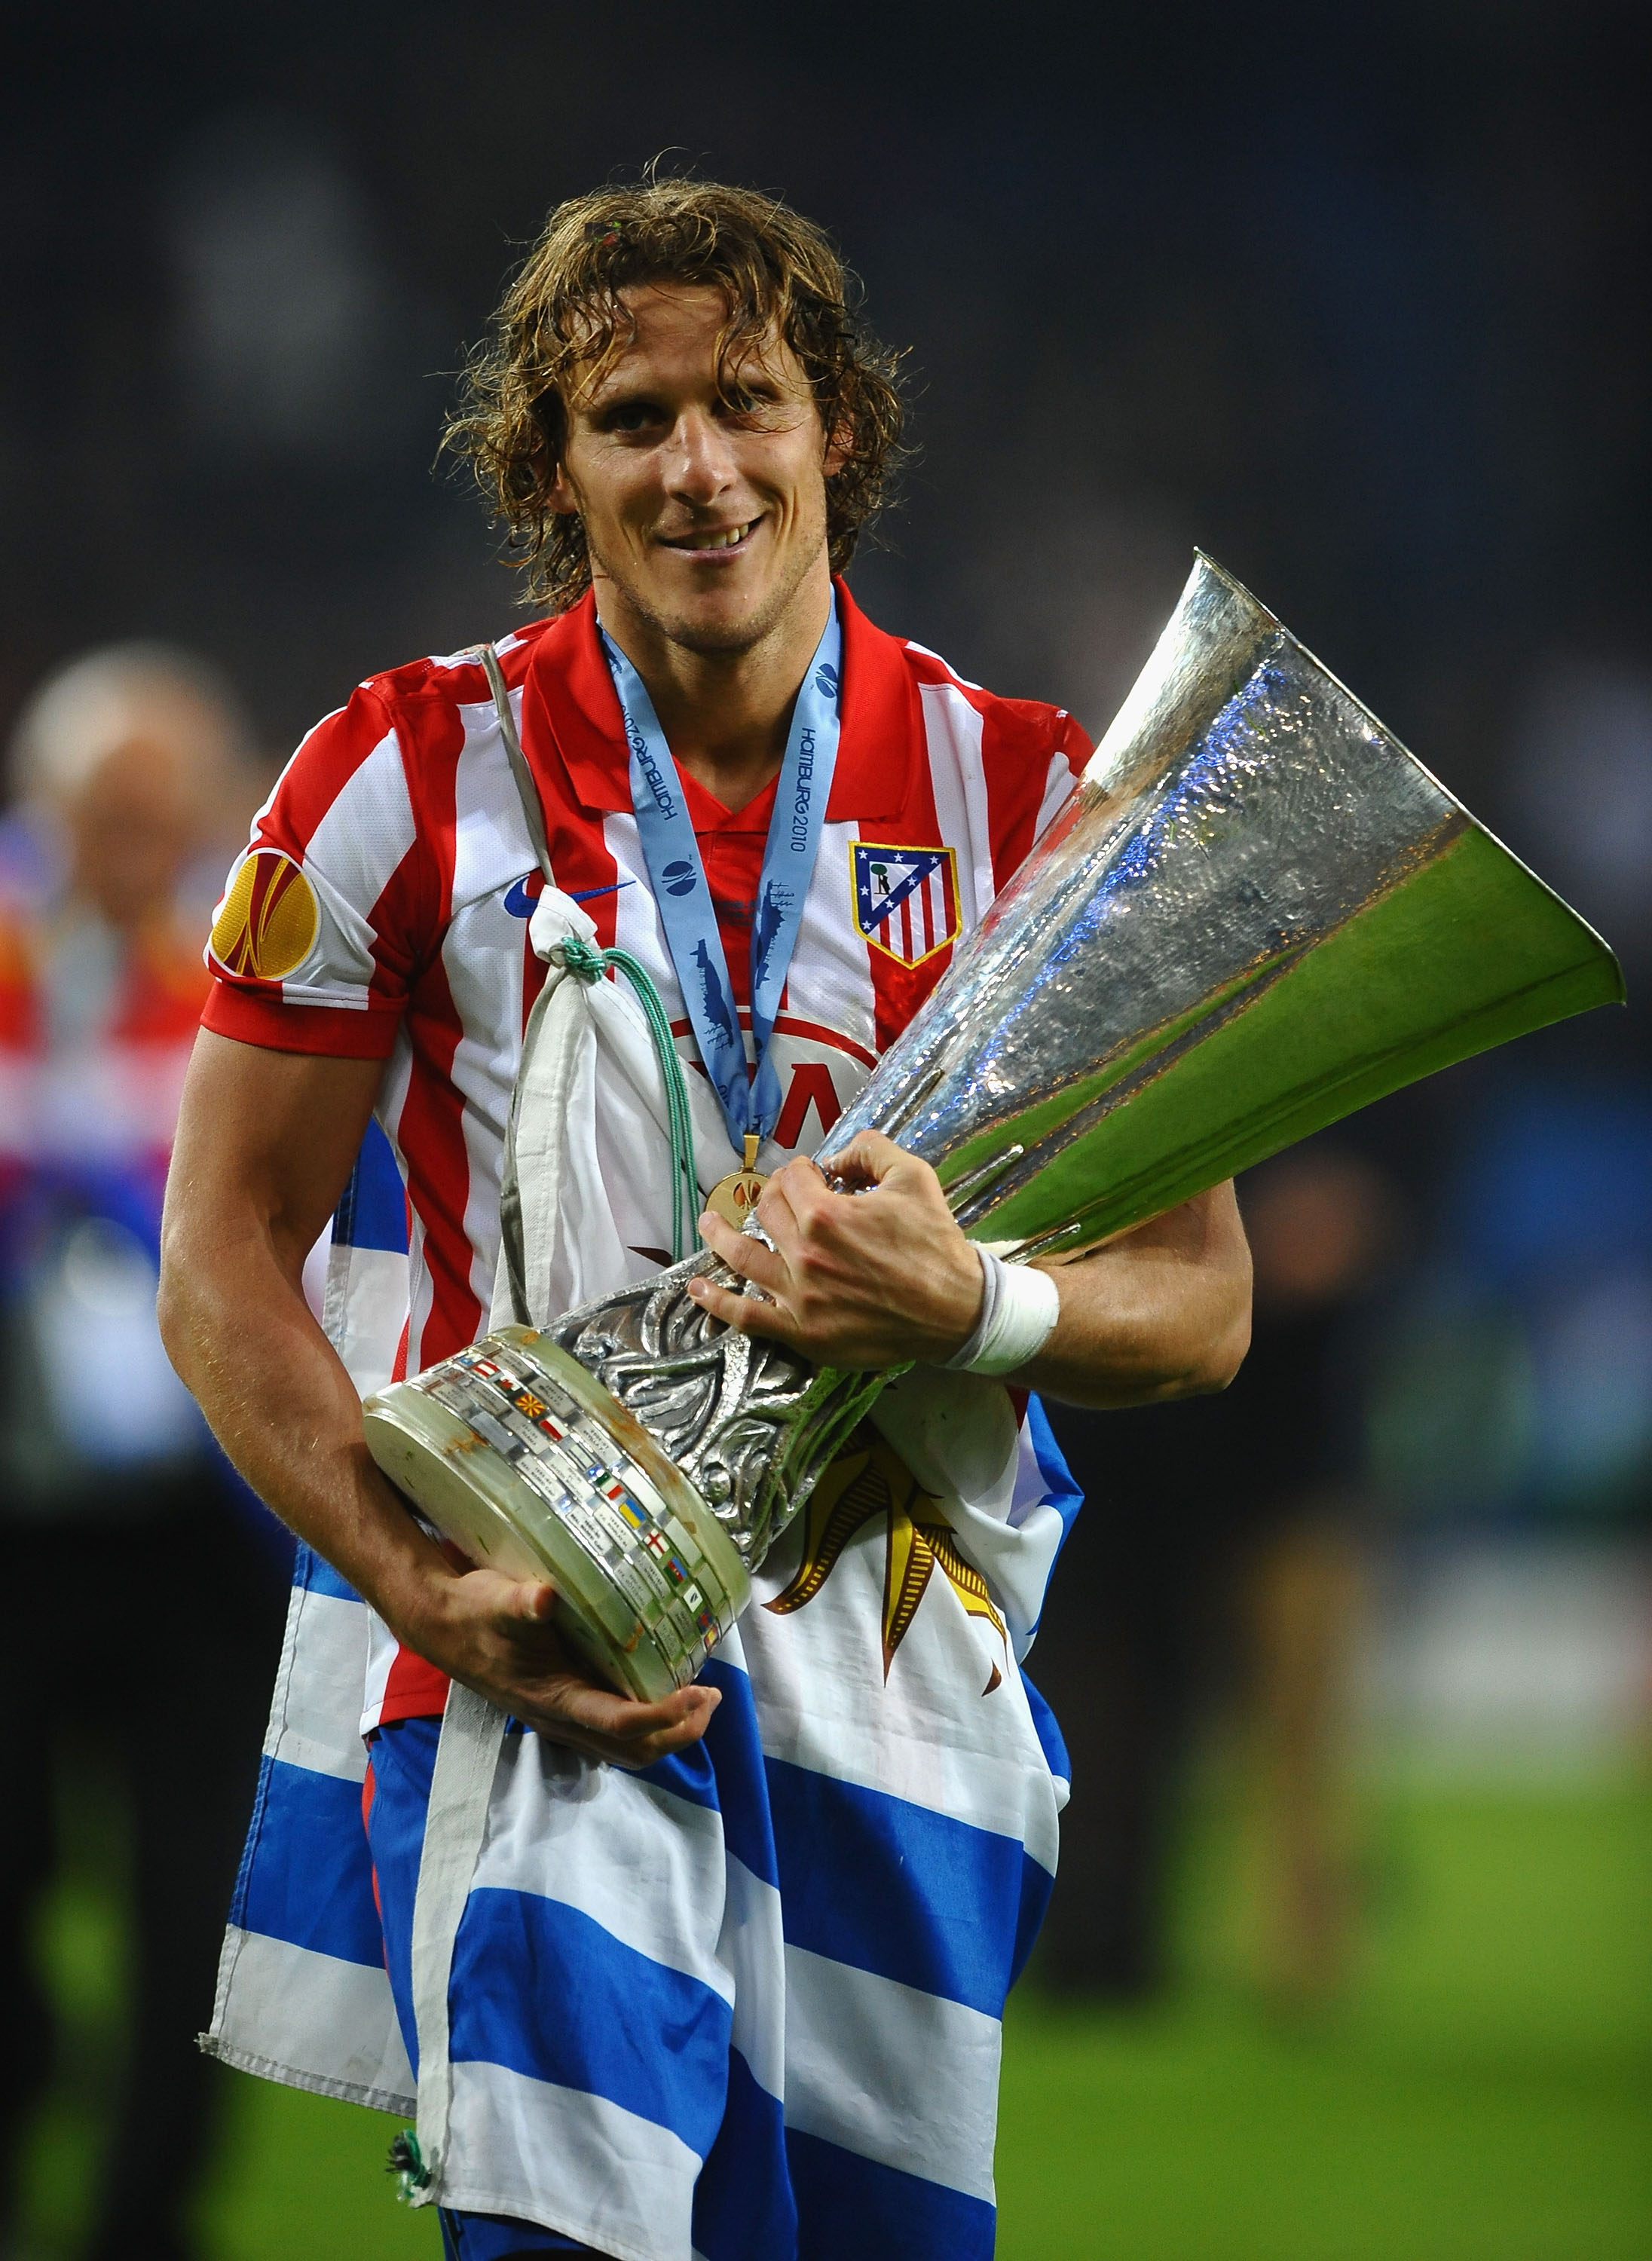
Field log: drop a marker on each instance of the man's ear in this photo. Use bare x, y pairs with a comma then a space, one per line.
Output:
839, 444
550, 438
559, 495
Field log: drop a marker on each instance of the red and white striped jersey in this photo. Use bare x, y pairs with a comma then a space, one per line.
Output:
380, 911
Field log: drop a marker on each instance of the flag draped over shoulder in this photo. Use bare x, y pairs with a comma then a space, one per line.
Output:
744, 2005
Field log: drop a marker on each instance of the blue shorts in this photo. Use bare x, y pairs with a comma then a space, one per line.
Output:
403, 1757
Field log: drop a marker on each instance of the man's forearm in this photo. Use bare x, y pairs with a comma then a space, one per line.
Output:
879, 1278
1162, 1313
266, 1141
285, 1411
265, 1144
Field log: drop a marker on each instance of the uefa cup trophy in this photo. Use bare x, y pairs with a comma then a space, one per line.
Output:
1256, 913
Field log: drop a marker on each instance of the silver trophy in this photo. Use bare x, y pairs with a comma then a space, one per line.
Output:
1257, 913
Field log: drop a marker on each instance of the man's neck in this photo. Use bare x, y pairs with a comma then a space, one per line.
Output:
725, 713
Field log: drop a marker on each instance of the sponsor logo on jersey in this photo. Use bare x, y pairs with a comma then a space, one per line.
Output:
905, 899
521, 899
267, 924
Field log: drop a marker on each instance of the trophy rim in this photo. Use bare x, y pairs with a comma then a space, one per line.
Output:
1204, 561
475, 1496
678, 1494
439, 1468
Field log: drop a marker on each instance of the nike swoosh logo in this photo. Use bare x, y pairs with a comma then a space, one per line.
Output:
521, 904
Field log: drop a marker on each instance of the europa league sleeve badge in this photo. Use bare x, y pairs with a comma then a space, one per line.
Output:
735, 1197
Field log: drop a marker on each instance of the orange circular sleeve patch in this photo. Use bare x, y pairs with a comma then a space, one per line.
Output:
267, 924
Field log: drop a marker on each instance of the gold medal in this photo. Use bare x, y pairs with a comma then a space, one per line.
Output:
736, 1195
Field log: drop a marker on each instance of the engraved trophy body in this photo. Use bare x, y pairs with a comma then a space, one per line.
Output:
1256, 913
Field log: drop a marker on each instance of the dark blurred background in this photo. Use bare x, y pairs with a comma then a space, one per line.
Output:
1356, 300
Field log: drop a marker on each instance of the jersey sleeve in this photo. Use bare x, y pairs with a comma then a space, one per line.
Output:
1032, 756
330, 910
1070, 751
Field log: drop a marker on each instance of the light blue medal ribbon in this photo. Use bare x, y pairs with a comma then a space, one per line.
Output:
678, 876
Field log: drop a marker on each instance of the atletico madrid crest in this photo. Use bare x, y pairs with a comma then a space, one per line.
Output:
905, 899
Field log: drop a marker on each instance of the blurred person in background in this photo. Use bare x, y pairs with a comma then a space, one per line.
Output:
141, 1604
1223, 1544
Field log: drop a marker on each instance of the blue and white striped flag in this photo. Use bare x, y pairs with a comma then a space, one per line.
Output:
744, 2006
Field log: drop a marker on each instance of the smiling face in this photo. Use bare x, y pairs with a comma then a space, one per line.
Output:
705, 515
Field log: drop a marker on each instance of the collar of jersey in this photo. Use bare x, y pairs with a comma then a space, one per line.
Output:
571, 709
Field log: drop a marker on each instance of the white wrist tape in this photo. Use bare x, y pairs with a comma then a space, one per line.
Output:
1018, 1312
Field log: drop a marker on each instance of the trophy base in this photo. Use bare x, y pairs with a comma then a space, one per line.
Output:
529, 1466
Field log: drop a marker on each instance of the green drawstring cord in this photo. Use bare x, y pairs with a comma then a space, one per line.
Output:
407, 2162
586, 963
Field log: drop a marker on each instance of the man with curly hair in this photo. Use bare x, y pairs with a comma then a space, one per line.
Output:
725, 1976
